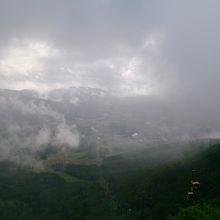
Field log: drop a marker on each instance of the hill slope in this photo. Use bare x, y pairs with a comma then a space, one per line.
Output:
107, 192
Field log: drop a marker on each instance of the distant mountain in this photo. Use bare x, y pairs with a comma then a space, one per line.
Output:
89, 119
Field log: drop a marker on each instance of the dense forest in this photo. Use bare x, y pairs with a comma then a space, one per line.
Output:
113, 190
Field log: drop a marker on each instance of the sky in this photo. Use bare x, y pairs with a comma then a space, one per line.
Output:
128, 47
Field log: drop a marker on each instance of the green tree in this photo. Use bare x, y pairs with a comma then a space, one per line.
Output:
196, 212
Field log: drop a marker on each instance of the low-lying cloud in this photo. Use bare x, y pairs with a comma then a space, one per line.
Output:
30, 127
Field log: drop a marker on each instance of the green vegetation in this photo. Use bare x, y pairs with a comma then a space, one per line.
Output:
83, 172
165, 186
204, 212
28, 195
115, 190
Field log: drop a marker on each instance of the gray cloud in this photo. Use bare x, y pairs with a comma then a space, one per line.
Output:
30, 128
88, 43
93, 43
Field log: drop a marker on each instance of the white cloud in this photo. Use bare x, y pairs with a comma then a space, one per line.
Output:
37, 65
26, 59
28, 128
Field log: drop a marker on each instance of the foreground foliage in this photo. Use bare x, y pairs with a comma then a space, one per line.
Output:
160, 191
114, 191
204, 212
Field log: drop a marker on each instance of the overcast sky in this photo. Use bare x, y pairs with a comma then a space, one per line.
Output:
151, 47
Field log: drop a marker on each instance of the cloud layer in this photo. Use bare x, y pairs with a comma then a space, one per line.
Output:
30, 128
162, 49
141, 47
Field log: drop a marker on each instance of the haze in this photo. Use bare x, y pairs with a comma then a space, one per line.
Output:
165, 51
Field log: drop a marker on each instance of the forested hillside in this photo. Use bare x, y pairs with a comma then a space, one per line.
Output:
163, 188
110, 191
